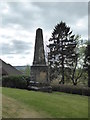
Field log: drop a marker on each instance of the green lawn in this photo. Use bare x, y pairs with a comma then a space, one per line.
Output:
0, 103
39, 104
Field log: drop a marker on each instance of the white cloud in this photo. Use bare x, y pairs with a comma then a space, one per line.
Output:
60, 0
21, 19
17, 60
82, 23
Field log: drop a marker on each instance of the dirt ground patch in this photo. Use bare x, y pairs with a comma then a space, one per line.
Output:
13, 109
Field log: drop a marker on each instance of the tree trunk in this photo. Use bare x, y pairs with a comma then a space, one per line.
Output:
62, 73
88, 75
74, 83
73, 74
62, 66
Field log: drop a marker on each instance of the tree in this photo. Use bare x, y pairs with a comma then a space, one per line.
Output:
62, 52
27, 70
77, 69
87, 62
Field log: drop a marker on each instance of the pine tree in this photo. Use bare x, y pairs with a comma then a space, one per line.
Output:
62, 53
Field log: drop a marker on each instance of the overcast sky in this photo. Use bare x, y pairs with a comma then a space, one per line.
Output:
21, 19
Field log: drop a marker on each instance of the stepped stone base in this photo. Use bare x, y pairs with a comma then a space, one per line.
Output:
39, 73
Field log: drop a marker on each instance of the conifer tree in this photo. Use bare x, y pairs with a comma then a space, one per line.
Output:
62, 53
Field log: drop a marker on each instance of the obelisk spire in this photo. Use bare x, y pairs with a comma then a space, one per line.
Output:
39, 69
39, 55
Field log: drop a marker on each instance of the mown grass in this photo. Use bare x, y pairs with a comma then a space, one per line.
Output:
55, 105
14, 109
0, 102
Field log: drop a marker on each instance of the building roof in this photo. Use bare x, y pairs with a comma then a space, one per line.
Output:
7, 69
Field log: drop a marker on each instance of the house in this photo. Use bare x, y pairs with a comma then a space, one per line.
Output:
8, 70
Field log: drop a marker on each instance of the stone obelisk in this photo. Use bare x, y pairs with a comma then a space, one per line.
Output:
39, 69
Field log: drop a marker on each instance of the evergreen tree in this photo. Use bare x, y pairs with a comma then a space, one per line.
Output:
62, 53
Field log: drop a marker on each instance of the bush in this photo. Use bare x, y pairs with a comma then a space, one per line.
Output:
72, 89
14, 82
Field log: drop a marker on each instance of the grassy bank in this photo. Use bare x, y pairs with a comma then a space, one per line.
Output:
57, 105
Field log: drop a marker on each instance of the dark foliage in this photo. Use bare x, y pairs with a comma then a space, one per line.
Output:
87, 62
62, 53
15, 82
72, 89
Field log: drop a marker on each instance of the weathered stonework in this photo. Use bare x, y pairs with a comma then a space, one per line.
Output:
39, 69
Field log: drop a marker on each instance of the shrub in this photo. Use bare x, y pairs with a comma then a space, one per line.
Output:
72, 89
14, 82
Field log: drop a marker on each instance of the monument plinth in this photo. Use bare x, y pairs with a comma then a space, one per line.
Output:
39, 69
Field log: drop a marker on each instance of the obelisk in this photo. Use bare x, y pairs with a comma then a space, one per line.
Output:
39, 55
39, 69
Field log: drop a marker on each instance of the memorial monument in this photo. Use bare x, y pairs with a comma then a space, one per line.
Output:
39, 69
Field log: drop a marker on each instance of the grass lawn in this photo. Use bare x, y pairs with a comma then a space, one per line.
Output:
0, 103
30, 104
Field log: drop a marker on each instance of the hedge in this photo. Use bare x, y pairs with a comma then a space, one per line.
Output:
72, 89
15, 82
23, 81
